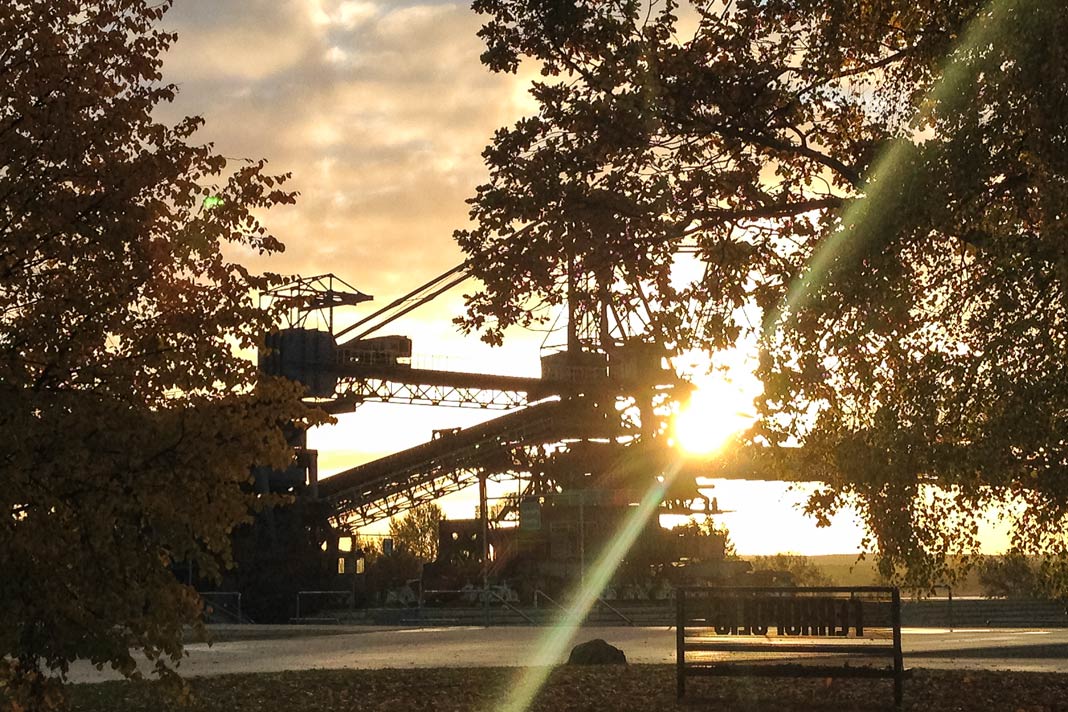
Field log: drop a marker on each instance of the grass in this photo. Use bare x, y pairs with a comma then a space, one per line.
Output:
571, 689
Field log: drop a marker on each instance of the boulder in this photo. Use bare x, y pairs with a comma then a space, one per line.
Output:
596, 652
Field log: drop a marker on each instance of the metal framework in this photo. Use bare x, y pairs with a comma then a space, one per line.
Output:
314, 296
380, 368
392, 484
368, 376
361, 512
390, 391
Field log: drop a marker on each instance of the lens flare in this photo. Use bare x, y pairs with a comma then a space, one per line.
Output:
896, 164
560, 635
891, 167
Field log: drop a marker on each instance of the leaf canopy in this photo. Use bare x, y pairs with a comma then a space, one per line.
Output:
131, 413
874, 192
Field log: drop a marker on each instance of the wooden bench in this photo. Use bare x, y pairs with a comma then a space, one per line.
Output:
789, 632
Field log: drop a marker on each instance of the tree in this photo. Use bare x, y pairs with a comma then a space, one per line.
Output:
874, 193
417, 531
1011, 575
802, 569
707, 529
130, 419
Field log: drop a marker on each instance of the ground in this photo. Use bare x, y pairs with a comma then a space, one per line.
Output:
255, 668
255, 649
620, 689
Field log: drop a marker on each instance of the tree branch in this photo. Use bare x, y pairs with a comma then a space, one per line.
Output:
782, 146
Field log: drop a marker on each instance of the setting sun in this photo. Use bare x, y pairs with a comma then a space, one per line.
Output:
717, 411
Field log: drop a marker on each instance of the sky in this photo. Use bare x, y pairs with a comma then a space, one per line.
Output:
380, 110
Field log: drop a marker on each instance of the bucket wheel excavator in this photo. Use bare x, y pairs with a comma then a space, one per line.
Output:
582, 442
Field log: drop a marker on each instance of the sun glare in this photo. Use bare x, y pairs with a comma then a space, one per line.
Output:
717, 412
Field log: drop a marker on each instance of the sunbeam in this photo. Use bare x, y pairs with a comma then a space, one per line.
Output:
560, 635
893, 166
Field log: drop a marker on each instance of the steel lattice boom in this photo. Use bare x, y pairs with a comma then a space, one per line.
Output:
397, 482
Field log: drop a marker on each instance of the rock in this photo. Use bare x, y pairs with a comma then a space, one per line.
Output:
596, 652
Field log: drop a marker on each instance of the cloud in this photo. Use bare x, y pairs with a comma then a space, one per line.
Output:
379, 110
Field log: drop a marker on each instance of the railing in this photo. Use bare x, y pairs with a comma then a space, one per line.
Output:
971, 612
509, 606
423, 362
538, 592
298, 618
235, 611
576, 375
547, 597
482, 594
555, 373
615, 610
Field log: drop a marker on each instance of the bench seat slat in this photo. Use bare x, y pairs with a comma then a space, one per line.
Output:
742, 670
857, 649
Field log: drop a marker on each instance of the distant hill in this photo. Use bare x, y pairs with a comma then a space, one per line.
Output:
845, 570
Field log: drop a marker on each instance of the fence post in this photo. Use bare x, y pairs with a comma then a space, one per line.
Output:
680, 642
899, 664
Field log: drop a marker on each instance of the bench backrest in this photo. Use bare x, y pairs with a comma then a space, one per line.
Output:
765, 624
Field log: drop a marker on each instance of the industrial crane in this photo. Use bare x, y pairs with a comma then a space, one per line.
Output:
564, 435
